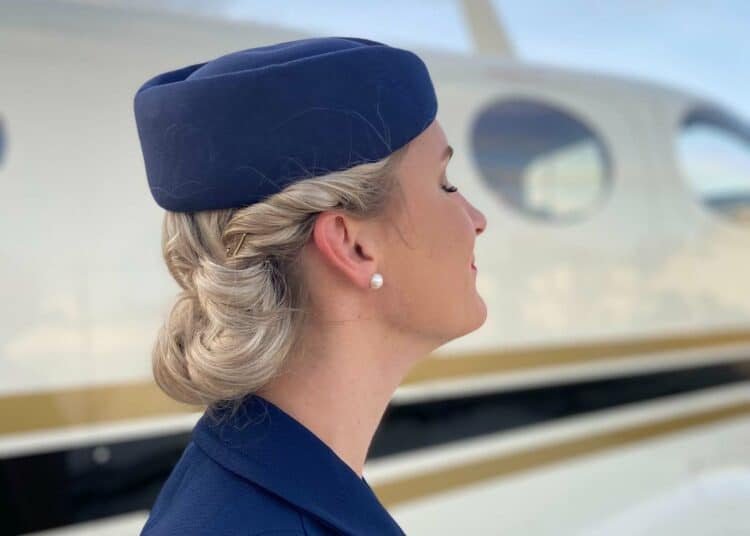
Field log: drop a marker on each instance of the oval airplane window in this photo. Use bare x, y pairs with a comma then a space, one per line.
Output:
714, 156
541, 160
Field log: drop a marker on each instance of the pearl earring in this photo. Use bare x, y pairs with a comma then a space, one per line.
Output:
376, 281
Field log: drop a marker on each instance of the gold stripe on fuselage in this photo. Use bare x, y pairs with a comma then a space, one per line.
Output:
504, 361
407, 489
28, 412
85, 405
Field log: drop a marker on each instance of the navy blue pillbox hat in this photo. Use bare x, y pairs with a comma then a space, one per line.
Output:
232, 131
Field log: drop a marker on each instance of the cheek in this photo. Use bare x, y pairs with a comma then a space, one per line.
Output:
449, 241
433, 276
441, 243
430, 268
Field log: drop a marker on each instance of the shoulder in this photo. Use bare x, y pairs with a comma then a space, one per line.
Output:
202, 497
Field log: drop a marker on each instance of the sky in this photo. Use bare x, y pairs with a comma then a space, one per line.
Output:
699, 46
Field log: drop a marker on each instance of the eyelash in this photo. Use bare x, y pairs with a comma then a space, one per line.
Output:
449, 189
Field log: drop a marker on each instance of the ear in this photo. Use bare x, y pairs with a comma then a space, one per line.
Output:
345, 245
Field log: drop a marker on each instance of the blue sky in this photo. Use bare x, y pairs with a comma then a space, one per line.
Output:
690, 44
702, 46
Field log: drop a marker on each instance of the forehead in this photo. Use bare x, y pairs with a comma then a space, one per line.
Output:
426, 150
434, 139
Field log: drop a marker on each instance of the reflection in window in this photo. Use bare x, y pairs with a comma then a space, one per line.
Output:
540, 159
714, 153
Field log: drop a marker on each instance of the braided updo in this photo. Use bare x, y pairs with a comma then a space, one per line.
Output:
238, 317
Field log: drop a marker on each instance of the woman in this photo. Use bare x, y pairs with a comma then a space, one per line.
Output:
322, 252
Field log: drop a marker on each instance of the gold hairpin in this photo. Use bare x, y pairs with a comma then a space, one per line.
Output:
238, 245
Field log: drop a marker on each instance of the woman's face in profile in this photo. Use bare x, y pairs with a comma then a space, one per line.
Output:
431, 278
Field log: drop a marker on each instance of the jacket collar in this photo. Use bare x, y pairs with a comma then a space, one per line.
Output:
264, 444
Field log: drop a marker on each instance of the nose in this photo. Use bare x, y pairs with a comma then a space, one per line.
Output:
480, 222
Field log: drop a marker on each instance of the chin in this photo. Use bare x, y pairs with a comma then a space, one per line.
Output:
482, 314
474, 322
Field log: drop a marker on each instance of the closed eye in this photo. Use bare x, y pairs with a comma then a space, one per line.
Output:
449, 188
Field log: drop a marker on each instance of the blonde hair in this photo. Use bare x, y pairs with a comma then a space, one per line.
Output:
238, 318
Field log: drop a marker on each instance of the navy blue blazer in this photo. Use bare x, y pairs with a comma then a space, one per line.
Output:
261, 472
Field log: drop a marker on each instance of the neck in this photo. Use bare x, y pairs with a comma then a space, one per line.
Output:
341, 395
